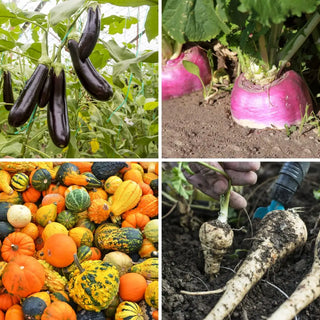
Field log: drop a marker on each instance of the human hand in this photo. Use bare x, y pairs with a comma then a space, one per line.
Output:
215, 184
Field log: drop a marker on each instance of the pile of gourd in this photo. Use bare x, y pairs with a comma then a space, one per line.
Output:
78, 240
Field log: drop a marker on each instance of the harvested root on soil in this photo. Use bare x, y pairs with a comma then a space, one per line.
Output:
216, 238
280, 233
307, 291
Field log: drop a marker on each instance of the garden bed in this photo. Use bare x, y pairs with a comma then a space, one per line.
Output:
183, 261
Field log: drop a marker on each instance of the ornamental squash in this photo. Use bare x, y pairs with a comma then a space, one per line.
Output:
66, 169
55, 188
40, 179
83, 166
31, 195
135, 220
77, 200
23, 275
152, 293
14, 313
127, 310
112, 184
103, 170
53, 228
126, 197
127, 240
148, 268
94, 285
55, 198
150, 230
99, 210
14, 197
81, 236
17, 244
147, 249
93, 182
59, 310
90, 315
148, 205
120, 260
7, 300
5, 180
20, 181
33, 308
19, 215
86, 223
132, 287
45, 214
67, 218
4, 206
5, 229
97, 193
60, 295
31, 230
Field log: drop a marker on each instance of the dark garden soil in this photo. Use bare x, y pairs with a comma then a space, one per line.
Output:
183, 261
193, 129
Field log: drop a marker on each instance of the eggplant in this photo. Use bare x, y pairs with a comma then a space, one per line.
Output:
7, 90
90, 78
90, 34
45, 92
27, 100
57, 112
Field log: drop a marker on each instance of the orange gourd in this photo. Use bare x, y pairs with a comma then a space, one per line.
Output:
31, 195
99, 210
1, 315
7, 300
23, 275
149, 176
55, 198
59, 310
73, 187
146, 189
16, 244
55, 188
97, 193
96, 253
133, 175
33, 209
31, 230
148, 205
132, 287
14, 313
155, 314
83, 166
135, 220
146, 249
59, 250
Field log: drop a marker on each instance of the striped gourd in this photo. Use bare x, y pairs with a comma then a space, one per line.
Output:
20, 181
148, 268
128, 310
78, 200
40, 179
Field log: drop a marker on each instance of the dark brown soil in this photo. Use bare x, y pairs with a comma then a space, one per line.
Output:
182, 266
193, 129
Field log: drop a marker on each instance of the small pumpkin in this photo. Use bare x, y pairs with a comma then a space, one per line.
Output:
7, 300
16, 244
55, 198
31, 195
94, 285
112, 184
19, 215
134, 175
40, 179
55, 188
59, 250
136, 220
148, 205
23, 275
31, 230
77, 200
59, 310
126, 197
128, 310
81, 236
14, 313
132, 287
20, 181
152, 293
146, 189
97, 193
99, 210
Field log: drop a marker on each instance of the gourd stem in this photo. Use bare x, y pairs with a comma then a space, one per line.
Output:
14, 247
77, 262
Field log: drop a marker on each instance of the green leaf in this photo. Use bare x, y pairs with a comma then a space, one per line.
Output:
193, 20
64, 10
150, 105
6, 45
131, 3
151, 24
5, 14
276, 11
73, 151
117, 24
34, 50
316, 194
191, 67
100, 56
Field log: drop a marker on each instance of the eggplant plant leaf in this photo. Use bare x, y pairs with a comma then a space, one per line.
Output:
151, 24
276, 11
131, 3
193, 20
64, 10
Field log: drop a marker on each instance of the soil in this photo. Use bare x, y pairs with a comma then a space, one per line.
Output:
194, 129
182, 259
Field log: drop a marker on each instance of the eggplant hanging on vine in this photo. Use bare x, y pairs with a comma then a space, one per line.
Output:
90, 78
57, 113
45, 92
90, 33
7, 90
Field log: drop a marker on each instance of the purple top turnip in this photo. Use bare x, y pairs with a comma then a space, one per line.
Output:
177, 81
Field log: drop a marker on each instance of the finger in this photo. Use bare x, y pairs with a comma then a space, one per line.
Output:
237, 201
242, 166
242, 178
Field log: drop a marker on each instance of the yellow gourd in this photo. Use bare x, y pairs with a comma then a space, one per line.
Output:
5, 180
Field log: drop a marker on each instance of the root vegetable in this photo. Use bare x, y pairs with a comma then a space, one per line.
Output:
307, 291
215, 237
280, 233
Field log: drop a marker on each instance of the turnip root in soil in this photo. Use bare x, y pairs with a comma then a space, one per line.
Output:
177, 81
307, 291
285, 101
280, 233
216, 238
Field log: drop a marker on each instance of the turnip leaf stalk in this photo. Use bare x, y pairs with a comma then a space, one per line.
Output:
216, 236
307, 291
280, 233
